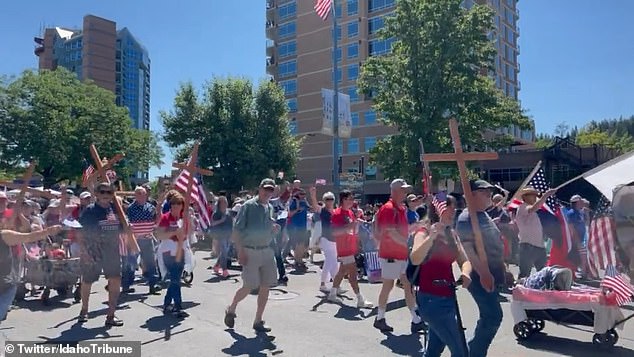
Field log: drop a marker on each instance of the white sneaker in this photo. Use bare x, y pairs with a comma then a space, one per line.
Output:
333, 298
364, 304
324, 289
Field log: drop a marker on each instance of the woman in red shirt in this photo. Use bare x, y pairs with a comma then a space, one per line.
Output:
171, 231
343, 224
435, 252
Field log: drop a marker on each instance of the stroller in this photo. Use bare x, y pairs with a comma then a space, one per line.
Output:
52, 274
190, 264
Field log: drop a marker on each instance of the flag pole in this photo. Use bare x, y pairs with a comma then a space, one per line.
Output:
335, 119
526, 180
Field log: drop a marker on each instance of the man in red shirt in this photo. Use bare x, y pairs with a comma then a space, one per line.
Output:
344, 227
393, 236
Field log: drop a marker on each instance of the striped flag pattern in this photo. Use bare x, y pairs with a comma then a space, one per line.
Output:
615, 282
601, 240
538, 182
88, 170
197, 196
323, 8
440, 202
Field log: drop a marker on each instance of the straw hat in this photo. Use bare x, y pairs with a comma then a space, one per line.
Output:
528, 190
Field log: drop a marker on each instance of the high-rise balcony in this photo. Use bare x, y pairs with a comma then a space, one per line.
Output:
270, 4
270, 47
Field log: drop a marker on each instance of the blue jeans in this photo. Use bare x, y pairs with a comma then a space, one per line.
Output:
148, 257
224, 243
6, 299
128, 267
174, 272
489, 321
278, 250
440, 314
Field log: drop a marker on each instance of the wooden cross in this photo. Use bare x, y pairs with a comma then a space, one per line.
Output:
192, 169
101, 169
105, 165
20, 197
31, 191
426, 170
461, 158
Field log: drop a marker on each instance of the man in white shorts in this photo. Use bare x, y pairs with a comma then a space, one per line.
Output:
392, 232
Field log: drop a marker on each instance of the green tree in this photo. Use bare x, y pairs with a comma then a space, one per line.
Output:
439, 62
621, 142
52, 117
243, 133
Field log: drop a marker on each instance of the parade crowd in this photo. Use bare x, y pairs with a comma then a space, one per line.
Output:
416, 238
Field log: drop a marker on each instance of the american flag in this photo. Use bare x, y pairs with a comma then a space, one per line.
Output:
323, 8
87, 172
440, 202
197, 195
538, 182
142, 218
615, 282
601, 239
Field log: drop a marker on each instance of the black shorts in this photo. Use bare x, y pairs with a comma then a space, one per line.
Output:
298, 237
101, 256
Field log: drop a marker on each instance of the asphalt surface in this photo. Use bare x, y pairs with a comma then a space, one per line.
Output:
303, 323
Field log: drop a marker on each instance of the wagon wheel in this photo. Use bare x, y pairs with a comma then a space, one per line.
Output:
63, 291
538, 325
45, 296
188, 277
77, 293
606, 340
522, 331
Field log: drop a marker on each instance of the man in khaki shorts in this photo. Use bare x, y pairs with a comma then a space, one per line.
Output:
254, 230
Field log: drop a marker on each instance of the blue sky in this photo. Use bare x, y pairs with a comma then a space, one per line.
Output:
576, 55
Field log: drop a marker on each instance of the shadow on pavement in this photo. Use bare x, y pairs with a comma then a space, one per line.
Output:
403, 345
575, 348
77, 332
253, 346
165, 324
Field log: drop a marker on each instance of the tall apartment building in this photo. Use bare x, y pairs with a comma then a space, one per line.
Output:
299, 58
112, 58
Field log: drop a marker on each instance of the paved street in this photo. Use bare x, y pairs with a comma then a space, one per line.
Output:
303, 325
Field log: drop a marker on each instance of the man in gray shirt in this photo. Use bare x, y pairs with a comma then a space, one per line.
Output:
254, 230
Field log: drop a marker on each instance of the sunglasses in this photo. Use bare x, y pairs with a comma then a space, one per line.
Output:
329, 199
105, 192
270, 189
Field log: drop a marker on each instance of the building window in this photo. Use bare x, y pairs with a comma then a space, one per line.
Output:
340, 145
287, 49
286, 69
378, 5
353, 50
369, 143
375, 24
290, 87
292, 105
353, 72
354, 96
353, 146
370, 117
353, 7
292, 126
379, 47
339, 10
338, 54
286, 30
353, 29
354, 118
338, 75
338, 32
287, 10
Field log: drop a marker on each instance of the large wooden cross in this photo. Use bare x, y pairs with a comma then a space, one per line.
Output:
461, 158
31, 191
101, 170
20, 197
193, 170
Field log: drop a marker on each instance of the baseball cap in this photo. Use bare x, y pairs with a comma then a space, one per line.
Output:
54, 203
576, 198
480, 185
85, 195
267, 183
412, 197
399, 183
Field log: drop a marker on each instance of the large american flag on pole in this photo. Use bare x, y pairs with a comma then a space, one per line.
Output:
614, 281
538, 182
601, 239
197, 195
323, 8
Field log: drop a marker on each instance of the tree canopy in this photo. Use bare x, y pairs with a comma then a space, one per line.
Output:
439, 63
52, 117
243, 132
612, 133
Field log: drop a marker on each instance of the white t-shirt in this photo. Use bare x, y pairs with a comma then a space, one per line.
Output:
529, 226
